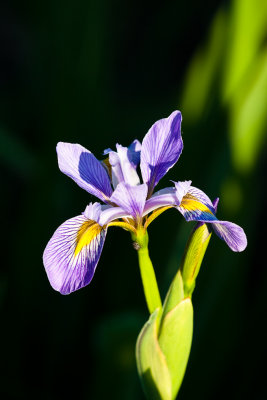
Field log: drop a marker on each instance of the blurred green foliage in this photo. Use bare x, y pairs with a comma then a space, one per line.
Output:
102, 72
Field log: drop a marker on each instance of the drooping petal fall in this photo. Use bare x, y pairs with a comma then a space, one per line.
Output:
71, 256
196, 206
232, 234
82, 166
161, 148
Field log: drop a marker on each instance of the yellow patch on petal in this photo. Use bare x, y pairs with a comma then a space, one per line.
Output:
189, 203
87, 232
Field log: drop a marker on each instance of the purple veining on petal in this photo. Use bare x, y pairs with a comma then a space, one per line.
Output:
200, 208
161, 148
195, 204
131, 198
66, 271
201, 197
92, 171
197, 215
232, 234
82, 166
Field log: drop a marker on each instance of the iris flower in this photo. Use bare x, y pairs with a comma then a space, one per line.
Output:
72, 254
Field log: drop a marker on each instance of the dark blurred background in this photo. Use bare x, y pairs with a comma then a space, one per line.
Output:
102, 72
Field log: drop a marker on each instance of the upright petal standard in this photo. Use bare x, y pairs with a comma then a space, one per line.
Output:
161, 148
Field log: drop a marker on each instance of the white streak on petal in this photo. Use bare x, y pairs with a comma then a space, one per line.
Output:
181, 189
124, 163
93, 211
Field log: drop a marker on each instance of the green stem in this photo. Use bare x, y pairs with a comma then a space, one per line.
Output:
148, 276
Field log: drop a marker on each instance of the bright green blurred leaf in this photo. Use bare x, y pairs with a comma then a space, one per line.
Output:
231, 191
202, 72
248, 116
247, 30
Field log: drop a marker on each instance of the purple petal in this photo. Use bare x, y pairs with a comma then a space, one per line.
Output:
123, 164
71, 256
195, 204
93, 211
196, 212
134, 151
162, 198
161, 148
110, 213
103, 213
130, 198
232, 234
82, 166
215, 204
197, 194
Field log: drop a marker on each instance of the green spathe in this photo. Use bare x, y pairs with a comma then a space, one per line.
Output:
195, 250
175, 293
175, 341
163, 346
151, 362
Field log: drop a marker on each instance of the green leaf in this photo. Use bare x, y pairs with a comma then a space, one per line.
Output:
245, 38
175, 341
248, 117
151, 362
